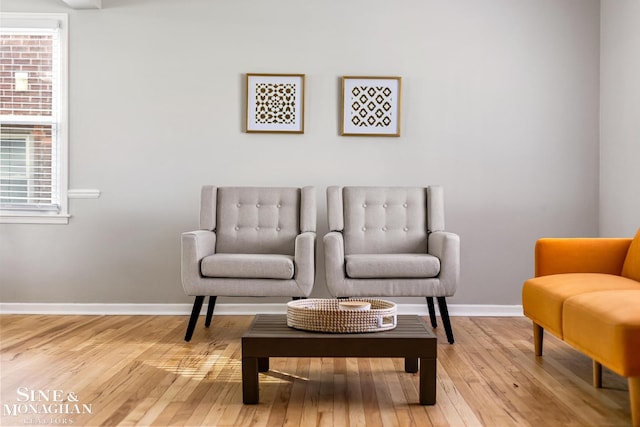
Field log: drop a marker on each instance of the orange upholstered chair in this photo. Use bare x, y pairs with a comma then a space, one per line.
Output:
566, 267
587, 293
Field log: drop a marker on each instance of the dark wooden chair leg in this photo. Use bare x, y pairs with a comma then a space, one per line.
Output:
444, 314
212, 304
538, 336
432, 312
195, 312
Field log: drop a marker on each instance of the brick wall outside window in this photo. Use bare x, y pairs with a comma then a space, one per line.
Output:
29, 54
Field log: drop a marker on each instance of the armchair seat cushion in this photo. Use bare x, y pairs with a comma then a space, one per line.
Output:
543, 298
369, 266
606, 327
248, 266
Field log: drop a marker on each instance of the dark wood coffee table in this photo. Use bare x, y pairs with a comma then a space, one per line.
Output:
269, 336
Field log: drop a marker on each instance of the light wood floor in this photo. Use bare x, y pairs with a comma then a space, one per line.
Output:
137, 370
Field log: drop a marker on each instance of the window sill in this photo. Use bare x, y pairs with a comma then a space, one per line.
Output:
33, 218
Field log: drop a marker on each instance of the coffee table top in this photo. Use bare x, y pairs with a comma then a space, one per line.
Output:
275, 326
269, 336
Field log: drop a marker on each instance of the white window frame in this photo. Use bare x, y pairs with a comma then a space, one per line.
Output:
61, 168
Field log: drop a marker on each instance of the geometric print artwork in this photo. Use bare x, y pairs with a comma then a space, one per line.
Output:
371, 105
275, 103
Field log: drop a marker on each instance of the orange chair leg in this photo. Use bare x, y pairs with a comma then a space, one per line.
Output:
634, 395
538, 334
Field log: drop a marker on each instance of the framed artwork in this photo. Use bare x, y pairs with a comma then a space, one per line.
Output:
275, 103
371, 106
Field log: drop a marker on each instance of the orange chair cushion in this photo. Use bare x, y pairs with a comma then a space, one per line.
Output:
543, 297
606, 327
631, 267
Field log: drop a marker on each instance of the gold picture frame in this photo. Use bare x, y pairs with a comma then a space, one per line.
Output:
275, 103
371, 106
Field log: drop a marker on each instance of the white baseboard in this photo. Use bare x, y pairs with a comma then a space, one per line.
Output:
467, 310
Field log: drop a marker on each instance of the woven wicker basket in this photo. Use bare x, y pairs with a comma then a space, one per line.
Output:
325, 315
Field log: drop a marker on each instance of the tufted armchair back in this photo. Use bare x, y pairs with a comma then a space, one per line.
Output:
378, 220
258, 220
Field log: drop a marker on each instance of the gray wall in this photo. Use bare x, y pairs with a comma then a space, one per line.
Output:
620, 118
500, 106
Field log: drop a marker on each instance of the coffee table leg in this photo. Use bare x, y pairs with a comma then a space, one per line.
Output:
250, 380
427, 381
263, 364
411, 364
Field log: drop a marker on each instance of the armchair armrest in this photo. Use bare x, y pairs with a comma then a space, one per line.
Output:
334, 261
446, 246
305, 261
195, 246
580, 255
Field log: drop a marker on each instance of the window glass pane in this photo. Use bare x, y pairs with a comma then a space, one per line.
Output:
13, 163
26, 164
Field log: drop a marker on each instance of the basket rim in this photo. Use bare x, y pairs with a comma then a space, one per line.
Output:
333, 305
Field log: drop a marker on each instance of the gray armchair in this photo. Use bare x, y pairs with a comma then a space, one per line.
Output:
252, 241
390, 242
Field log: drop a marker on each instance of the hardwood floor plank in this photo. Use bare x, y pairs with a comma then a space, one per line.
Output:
293, 415
138, 371
449, 399
369, 396
353, 394
385, 405
325, 399
310, 413
340, 415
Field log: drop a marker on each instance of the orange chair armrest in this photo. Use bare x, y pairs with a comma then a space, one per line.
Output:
580, 255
